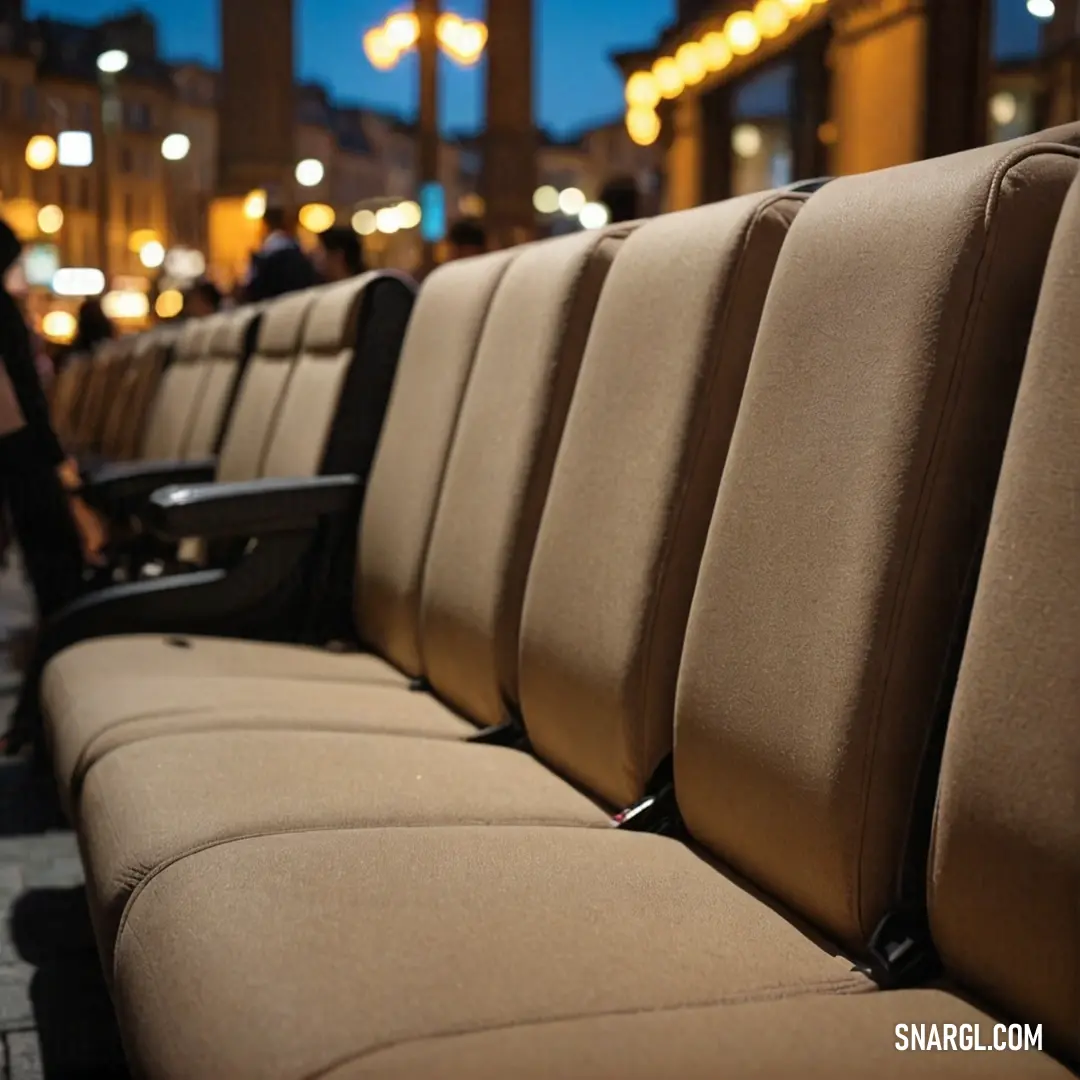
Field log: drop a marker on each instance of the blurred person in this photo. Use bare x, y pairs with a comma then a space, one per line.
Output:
466, 238
202, 298
340, 254
279, 266
93, 327
620, 196
39, 484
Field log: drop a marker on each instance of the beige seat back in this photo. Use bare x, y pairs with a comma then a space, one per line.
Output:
262, 387
231, 341
1005, 867
634, 486
333, 406
67, 397
179, 393
410, 461
106, 368
860, 478
500, 465
152, 358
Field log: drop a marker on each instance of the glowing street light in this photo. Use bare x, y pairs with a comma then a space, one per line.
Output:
50, 219
310, 173
1041, 9
255, 205
175, 147
41, 152
152, 255
112, 61
463, 40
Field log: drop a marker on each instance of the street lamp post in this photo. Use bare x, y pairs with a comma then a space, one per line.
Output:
427, 14
109, 65
428, 30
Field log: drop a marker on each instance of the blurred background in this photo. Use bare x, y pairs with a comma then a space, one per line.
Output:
140, 148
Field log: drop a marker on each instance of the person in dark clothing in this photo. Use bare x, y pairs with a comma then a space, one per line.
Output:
340, 254
94, 327
203, 298
279, 266
32, 462
467, 237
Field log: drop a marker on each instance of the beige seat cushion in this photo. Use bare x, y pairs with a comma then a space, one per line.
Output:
91, 713
284, 956
811, 1038
152, 802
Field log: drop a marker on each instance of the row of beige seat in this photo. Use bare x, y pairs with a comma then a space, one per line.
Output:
304, 864
241, 379
99, 404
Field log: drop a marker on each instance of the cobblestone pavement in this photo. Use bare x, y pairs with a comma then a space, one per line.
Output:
55, 1018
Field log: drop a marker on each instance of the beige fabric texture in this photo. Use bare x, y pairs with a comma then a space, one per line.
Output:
808, 1038
263, 386
1005, 882
221, 368
500, 465
861, 471
179, 394
635, 479
153, 802
310, 403
410, 462
384, 936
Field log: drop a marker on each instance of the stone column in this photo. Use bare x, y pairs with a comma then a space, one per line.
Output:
257, 97
509, 177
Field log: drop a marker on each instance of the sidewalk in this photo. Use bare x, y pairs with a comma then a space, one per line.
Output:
56, 1021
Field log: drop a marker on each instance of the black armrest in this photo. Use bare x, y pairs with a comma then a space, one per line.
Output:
249, 508
121, 489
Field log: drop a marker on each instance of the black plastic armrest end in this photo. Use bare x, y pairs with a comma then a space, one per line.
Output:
250, 508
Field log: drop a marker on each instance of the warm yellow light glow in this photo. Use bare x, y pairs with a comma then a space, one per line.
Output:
78, 281
59, 326
363, 221
463, 40
22, 216
643, 126
594, 215
388, 220
668, 77
746, 140
691, 60
472, 205
50, 219
316, 217
125, 304
546, 199
716, 50
255, 205
175, 147
828, 133
642, 91
409, 214
152, 255
771, 18
797, 8
41, 152
1003, 108
169, 304
402, 30
742, 33
379, 49
140, 238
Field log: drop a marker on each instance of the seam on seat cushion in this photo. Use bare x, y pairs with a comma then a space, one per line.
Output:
715, 341
777, 993
309, 829
211, 719
901, 592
